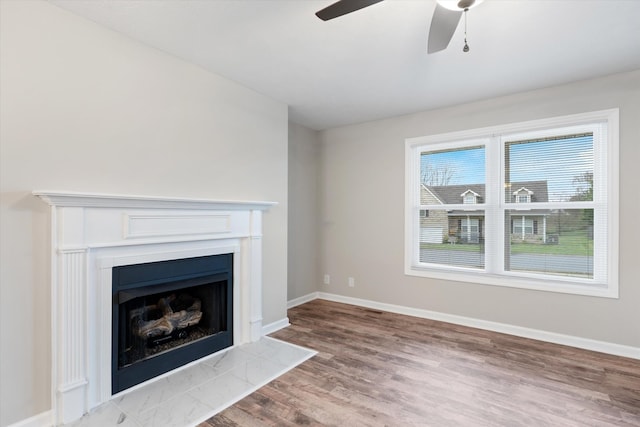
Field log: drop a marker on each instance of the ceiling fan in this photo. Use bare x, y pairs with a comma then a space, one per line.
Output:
443, 24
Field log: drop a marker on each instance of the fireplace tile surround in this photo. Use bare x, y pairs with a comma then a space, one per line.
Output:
92, 233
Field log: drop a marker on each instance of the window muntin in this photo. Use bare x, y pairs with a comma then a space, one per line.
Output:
517, 216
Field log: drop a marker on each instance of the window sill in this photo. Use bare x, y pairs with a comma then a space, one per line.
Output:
547, 284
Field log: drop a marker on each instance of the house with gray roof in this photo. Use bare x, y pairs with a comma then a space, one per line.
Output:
467, 225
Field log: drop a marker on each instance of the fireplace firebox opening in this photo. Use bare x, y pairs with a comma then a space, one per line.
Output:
167, 314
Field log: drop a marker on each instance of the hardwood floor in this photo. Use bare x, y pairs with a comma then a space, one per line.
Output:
383, 369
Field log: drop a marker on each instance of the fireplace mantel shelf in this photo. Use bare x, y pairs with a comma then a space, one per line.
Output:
77, 199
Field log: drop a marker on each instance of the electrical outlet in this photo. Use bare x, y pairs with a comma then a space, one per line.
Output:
352, 282
327, 279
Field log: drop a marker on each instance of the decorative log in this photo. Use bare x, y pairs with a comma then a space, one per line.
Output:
171, 321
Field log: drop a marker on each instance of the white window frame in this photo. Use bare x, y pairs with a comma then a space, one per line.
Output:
606, 159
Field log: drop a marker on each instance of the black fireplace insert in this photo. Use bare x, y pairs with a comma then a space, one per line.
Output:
167, 314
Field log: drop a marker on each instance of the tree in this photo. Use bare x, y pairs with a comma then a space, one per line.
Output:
435, 176
584, 187
584, 192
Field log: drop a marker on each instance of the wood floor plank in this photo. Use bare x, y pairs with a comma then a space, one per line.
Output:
375, 368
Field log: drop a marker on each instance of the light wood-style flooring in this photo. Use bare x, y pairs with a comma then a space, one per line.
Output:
382, 369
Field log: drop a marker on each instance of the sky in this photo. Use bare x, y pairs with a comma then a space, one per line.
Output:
556, 161
467, 165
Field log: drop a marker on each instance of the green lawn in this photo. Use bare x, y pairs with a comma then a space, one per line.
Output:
462, 247
569, 243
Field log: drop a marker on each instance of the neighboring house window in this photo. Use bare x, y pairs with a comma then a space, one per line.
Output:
469, 199
470, 225
470, 230
522, 195
522, 226
562, 169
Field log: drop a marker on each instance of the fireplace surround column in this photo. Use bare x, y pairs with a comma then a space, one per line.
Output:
70, 331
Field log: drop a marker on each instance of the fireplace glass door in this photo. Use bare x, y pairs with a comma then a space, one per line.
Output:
167, 314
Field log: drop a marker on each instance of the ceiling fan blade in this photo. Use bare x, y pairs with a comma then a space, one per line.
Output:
443, 25
343, 7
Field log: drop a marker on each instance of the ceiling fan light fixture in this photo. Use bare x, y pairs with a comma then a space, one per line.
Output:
459, 5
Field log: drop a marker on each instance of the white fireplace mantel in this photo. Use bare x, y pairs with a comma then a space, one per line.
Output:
92, 233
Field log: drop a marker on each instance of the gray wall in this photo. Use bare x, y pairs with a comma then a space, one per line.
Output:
362, 214
85, 109
303, 211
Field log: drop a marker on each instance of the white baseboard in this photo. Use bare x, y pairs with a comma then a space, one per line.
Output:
275, 326
306, 298
552, 337
41, 420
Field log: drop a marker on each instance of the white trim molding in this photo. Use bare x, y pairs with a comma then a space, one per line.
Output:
43, 419
275, 326
301, 300
102, 200
519, 331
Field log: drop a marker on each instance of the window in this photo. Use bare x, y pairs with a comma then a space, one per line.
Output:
531, 205
523, 198
470, 225
469, 198
522, 226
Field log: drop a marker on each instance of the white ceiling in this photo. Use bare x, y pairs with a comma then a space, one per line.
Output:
373, 64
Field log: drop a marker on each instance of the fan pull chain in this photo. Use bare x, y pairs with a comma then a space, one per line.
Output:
466, 46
